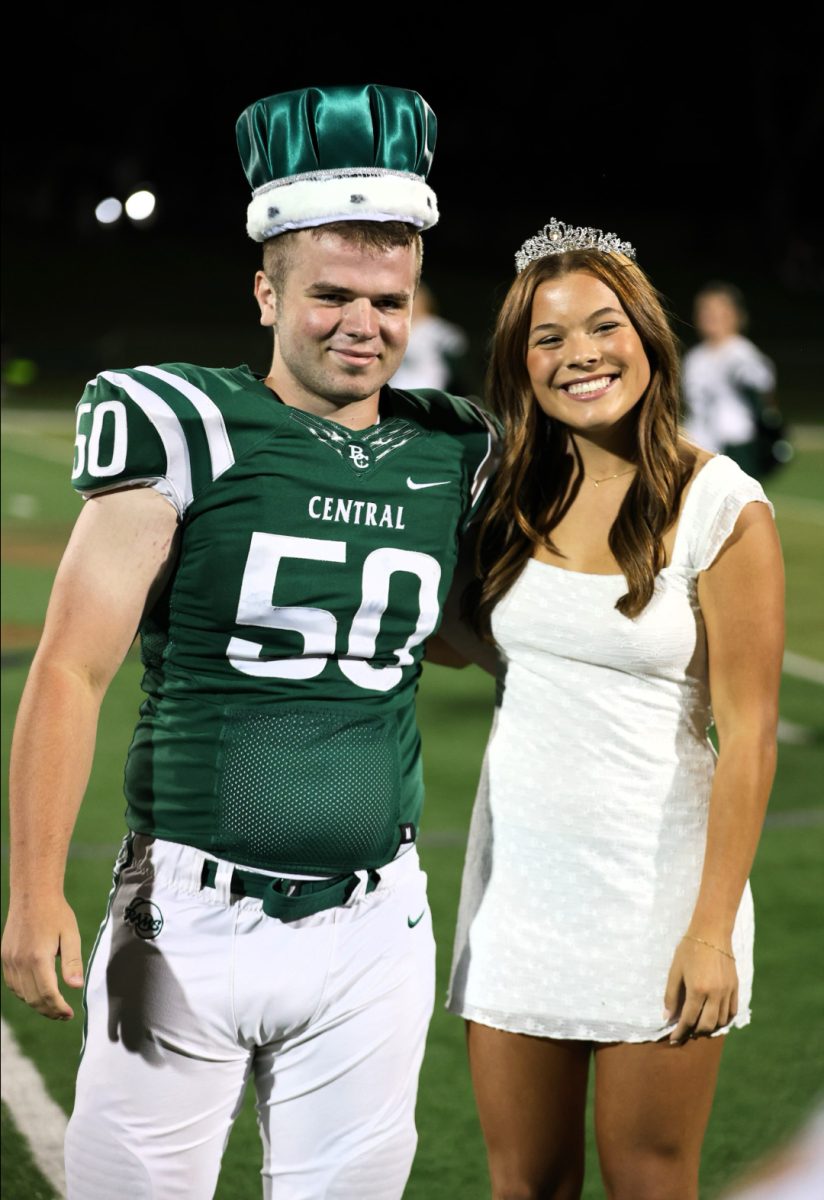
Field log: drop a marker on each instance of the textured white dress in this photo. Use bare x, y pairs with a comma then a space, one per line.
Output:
587, 839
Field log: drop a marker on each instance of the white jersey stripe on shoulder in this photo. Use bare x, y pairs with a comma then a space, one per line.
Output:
489, 463
169, 429
485, 468
220, 448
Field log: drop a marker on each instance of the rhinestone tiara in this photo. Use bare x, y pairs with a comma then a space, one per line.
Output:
556, 237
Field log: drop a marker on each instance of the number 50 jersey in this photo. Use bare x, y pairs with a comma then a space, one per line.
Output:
282, 659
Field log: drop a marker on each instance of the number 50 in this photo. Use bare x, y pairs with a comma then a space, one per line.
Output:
317, 626
109, 408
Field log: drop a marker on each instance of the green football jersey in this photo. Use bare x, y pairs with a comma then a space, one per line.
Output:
282, 660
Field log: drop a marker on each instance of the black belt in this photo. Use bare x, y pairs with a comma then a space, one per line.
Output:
290, 899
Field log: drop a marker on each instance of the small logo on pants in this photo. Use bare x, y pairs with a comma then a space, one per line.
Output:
146, 918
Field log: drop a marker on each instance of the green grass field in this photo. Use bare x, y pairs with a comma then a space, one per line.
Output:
772, 1071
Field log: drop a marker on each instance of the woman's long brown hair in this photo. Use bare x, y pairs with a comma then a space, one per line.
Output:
539, 473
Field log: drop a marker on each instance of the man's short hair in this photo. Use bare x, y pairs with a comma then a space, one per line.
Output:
378, 236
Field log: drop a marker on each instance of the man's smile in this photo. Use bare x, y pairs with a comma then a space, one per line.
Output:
357, 358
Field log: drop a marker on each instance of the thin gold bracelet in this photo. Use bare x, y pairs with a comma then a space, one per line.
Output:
711, 945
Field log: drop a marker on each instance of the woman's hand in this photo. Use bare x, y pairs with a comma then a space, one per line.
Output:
702, 988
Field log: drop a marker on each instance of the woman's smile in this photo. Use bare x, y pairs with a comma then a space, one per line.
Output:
591, 388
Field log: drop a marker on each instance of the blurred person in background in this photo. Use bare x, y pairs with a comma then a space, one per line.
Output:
728, 386
435, 350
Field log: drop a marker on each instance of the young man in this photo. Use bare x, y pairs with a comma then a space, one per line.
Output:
285, 546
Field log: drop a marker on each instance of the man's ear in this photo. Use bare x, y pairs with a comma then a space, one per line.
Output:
267, 300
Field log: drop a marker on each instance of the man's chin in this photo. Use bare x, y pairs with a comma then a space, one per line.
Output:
350, 389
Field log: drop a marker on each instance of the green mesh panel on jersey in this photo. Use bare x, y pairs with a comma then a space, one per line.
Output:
309, 785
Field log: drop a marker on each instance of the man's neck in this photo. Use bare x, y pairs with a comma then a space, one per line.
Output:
356, 414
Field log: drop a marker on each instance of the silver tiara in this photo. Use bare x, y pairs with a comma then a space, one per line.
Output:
556, 237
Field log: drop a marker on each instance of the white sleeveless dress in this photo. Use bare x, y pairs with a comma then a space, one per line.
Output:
587, 838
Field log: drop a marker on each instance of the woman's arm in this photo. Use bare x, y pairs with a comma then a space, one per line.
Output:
439, 651
742, 600
456, 644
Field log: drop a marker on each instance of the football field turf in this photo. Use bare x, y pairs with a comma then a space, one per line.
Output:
771, 1073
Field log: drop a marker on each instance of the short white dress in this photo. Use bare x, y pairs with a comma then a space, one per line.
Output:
588, 834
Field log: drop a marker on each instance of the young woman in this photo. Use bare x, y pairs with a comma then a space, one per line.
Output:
633, 585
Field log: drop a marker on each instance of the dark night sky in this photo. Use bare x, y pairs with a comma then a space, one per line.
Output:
696, 147
705, 130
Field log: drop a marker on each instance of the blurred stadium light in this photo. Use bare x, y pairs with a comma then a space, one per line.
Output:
140, 205
108, 211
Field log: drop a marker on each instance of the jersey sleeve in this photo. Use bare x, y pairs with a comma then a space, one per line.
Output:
485, 455
752, 369
152, 427
727, 491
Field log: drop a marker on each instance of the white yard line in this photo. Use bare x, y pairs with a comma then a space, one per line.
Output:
41, 1122
800, 818
23, 420
807, 437
802, 667
791, 734
45, 448
799, 508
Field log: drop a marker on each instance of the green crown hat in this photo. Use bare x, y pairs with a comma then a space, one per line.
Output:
337, 154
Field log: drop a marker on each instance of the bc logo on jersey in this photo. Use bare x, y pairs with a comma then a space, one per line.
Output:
145, 917
359, 457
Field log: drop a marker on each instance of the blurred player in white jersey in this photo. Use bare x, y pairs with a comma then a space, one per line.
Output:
435, 350
729, 384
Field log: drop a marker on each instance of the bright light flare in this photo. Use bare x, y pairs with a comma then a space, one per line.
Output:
140, 205
108, 211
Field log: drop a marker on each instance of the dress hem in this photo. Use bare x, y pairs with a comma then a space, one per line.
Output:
571, 1031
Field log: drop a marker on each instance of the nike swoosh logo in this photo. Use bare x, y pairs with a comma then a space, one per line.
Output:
413, 921
417, 486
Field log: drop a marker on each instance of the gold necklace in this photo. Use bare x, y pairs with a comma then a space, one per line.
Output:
607, 478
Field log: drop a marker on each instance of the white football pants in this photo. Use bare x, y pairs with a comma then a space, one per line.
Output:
191, 991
